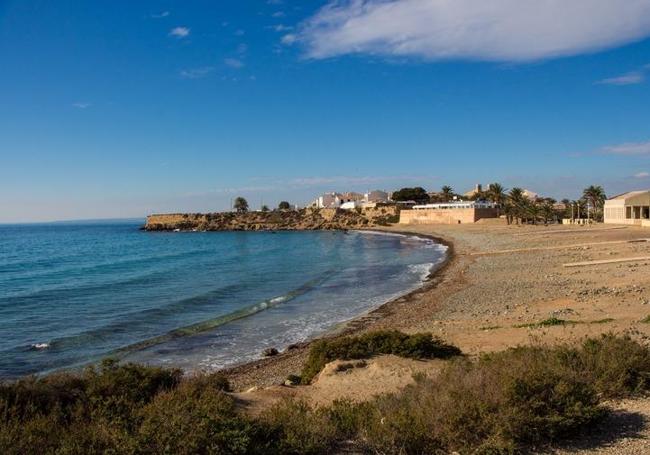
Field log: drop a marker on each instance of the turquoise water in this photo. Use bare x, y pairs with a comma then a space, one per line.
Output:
74, 293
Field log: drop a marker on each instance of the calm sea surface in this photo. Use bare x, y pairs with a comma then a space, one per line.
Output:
74, 293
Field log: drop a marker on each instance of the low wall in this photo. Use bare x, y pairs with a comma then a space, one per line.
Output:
445, 216
577, 221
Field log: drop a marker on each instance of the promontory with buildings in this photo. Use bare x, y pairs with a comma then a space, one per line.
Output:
352, 210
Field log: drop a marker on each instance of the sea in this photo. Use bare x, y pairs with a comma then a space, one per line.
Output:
72, 294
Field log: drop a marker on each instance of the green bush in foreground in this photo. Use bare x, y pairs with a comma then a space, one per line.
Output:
418, 346
504, 402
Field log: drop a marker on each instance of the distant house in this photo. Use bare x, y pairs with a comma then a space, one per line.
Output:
350, 200
327, 201
350, 196
477, 190
531, 195
351, 205
456, 212
629, 208
376, 196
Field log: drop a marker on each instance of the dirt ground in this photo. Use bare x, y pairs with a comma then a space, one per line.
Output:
500, 282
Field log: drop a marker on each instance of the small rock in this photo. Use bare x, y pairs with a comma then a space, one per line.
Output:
270, 352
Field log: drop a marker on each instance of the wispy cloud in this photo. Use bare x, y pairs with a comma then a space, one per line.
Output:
631, 78
628, 149
240, 32
242, 48
289, 39
81, 105
641, 175
179, 32
196, 73
278, 14
160, 15
282, 28
495, 30
233, 63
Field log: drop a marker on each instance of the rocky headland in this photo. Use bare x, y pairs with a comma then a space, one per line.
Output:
306, 219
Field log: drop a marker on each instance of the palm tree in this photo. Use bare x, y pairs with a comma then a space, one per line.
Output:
447, 193
548, 210
240, 205
497, 194
595, 196
517, 202
567, 208
533, 209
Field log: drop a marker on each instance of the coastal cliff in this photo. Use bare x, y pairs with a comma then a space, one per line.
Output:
290, 220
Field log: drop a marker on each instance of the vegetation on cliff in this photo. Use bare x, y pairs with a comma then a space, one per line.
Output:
502, 403
276, 220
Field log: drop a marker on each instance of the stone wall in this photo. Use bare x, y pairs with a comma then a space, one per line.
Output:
445, 216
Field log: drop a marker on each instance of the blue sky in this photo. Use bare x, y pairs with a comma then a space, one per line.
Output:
122, 108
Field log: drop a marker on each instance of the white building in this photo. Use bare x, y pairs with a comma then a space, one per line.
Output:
351, 205
350, 200
327, 201
628, 208
376, 196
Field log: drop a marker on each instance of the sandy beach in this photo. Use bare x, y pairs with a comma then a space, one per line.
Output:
499, 282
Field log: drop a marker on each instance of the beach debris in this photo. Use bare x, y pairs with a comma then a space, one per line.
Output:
270, 352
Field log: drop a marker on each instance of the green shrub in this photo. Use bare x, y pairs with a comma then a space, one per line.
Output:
296, 428
553, 321
502, 403
418, 346
522, 396
192, 420
616, 366
114, 390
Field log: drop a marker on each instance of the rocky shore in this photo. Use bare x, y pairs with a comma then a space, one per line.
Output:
277, 220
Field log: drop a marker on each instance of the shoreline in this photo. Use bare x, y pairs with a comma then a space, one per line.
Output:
487, 303
247, 374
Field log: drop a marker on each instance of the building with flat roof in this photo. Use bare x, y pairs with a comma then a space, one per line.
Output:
628, 208
455, 212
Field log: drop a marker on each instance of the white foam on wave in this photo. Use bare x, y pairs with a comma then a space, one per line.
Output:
40, 346
422, 270
387, 234
429, 243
